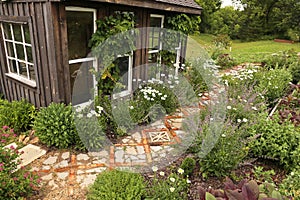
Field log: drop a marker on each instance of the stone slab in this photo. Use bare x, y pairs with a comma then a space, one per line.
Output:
31, 153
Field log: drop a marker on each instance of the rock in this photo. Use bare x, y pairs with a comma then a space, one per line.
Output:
82, 156
47, 177
34, 140
65, 155
62, 175
51, 160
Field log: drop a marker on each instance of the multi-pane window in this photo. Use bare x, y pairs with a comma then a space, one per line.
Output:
155, 43
18, 50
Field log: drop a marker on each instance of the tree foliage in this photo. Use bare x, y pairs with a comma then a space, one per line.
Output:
258, 19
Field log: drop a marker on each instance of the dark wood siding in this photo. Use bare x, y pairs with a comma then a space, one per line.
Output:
45, 56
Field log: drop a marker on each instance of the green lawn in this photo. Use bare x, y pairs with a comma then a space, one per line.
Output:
245, 51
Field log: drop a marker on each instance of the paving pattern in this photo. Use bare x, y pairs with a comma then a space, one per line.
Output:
140, 150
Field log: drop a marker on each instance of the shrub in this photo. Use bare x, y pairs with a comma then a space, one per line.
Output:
90, 135
273, 84
281, 59
119, 185
18, 115
54, 125
275, 141
294, 69
156, 96
224, 153
13, 184
225, 61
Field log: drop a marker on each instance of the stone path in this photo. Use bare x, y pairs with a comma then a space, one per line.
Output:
63, 169
142, 149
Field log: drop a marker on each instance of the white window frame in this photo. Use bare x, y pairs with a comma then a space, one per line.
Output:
88, 59
162, 17
129, 79
16, 75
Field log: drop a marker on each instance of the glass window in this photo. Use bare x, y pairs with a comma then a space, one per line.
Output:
18, 50
155, 34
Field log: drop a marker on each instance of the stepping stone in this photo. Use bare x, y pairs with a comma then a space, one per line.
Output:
65, 155
31, 153
82, 156
51, 160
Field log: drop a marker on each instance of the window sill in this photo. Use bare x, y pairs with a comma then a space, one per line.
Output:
22, 80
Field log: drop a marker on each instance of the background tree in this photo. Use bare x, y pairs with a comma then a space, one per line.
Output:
209, 7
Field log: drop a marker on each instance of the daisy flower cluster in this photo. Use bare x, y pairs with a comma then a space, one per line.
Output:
152, 94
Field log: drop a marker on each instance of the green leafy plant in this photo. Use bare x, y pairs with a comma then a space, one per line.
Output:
148, 101
173, 186
290, 186
188, 165
54, 125
227, 152
262, 175
275, 140
18, 115
273, 84
117, 185
15, 184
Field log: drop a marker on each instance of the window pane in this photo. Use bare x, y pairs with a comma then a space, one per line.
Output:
7, 31
13, 66
17, 32
80, 29
22, 69
31, 72
26, 34
122, 65
20, 51
29, 54
10, 49
155, 22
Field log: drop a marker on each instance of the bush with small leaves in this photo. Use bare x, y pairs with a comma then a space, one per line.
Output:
119, 185
188, 165
18, 115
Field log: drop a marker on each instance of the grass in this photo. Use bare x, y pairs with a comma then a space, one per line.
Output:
245, 51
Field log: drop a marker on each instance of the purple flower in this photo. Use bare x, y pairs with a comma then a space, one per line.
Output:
5, 127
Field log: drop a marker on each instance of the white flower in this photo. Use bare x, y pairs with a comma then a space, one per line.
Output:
254, 108
163, 98
152, 99
211, 119
131, 107
100, 109
154, 169
171, 86
176, 77
159, 94
188, 181
223, 135
245, 120
177, 82
172, 189
80, 115
180, 171
292, 173
172, 179
233, 108
162, 173
160, 82
239, 120
134, 80
170, 82
162, 75
153, 94
229, 107
200, 94
89, 115
245, 100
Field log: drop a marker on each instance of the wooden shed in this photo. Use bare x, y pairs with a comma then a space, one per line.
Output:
39, 48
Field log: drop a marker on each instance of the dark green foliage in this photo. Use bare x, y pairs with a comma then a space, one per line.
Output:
18, 115
118, 185
54, 125
188, 165
183, 23
276, 141
290, 186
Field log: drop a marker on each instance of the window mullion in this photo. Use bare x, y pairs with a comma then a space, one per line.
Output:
15, 49
25, 52
5, 48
